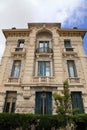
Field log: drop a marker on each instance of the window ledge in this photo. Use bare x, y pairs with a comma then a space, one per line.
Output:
74, 79
45, 79
13, 81
66, 53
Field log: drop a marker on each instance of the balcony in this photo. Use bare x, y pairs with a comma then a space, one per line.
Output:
13, 81
44, 80
18, 52
74, 81
69, 51
46, 51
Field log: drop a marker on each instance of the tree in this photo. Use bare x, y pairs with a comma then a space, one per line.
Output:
63, 103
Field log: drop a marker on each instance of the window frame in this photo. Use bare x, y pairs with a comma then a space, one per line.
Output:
44, 59
14, 73
10, 99
20, 41
70, 73
44, 68
69, 43
77, 101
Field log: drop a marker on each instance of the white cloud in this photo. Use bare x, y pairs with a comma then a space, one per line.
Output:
19, 12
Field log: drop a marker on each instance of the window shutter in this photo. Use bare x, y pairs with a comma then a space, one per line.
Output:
75, 71
40, 68
38, 103
68, 65
19, 68
77, 101
12, 71
48, 103
44, 67
13, 107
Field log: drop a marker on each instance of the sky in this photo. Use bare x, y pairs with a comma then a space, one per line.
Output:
17, 13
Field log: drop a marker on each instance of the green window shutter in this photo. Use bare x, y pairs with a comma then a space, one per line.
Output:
75, 71
19, 68
13, 67
40, 68
48, 103
68, 66
38, 103
77, 101
13, 107
44, 65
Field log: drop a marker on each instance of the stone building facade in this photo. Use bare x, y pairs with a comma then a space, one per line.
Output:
36, 62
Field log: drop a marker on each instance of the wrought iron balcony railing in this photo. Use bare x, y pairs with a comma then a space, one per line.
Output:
18, 49
69, 49
44, 50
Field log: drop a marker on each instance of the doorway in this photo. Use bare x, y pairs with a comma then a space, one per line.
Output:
43, 103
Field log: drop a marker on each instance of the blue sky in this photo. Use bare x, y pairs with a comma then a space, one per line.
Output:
17, 13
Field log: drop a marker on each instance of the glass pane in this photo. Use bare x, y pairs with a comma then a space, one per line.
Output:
40, 68
71, 68
41, 47
44, 68
46, 44
21, 45
67, 44
10, 101
16, 69
47, 71
71, 65
47, 68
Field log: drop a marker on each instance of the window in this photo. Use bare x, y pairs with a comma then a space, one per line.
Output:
71, 68
44, 68
77, 101
10, 101
67, 43
43, 103
20, 43
43, 46
16, 69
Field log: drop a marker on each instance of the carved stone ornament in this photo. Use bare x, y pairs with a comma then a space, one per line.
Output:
26, 94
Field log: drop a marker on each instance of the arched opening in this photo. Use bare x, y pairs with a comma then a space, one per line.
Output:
44, 42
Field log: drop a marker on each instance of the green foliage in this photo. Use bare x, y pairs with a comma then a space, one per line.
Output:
63, 101
80, 118
9, 121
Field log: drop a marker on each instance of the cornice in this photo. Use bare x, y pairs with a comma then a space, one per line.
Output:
72, 32
15, 32
30, 25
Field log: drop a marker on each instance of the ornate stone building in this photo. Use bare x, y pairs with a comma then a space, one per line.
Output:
36, 62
